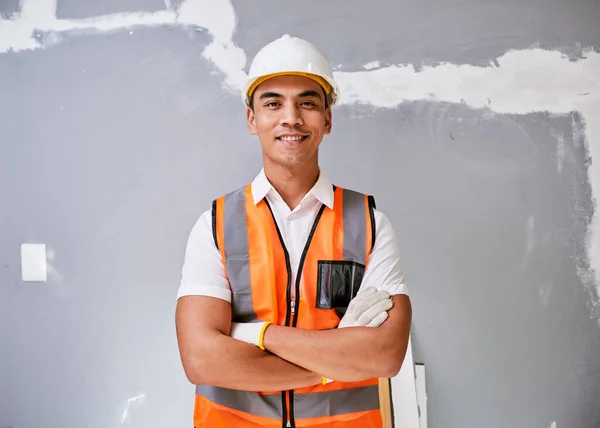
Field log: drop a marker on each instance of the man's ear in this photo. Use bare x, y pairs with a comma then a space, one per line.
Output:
328, 120
251, 119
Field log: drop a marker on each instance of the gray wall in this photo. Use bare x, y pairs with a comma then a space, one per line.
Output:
110, 147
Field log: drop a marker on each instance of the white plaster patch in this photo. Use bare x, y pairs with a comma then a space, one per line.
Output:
553, 424
127, 406
590, 110
560, 149
218, 18
523, 82
519, 82
371, 65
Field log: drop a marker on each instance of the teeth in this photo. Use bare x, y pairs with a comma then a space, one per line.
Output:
291, 138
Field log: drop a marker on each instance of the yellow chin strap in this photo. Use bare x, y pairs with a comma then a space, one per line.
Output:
326, 86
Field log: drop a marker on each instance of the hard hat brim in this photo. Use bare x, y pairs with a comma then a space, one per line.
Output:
328, 85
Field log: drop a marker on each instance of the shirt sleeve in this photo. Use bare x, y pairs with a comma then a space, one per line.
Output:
203, 273
384, 268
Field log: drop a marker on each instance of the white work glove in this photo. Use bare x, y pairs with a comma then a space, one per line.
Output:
367, 309
249, 332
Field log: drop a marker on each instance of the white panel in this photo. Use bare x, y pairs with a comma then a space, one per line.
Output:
404, 394
421, 394
33, 262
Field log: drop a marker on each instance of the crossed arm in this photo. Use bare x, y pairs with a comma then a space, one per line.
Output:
294, 358
210, 356
347, 354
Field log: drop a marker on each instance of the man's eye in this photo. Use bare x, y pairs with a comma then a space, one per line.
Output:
272, 104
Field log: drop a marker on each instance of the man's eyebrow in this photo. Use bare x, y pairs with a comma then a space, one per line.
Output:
310, 93
305, 94
269, 95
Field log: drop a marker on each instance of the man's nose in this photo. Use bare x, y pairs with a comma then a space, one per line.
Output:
290, 116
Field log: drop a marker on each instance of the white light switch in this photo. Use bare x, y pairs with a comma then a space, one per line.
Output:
33, 262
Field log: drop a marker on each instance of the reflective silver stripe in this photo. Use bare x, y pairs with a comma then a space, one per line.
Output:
355, 223
235, 237
268, 405
320, 404
333, 403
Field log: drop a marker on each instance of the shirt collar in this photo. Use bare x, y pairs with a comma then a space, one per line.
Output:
322, 190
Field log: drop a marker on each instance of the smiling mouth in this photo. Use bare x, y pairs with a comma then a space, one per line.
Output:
292, 139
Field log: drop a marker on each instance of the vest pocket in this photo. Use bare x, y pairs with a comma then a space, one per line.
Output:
338, 281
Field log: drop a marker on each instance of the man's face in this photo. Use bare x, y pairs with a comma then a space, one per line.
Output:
290, 119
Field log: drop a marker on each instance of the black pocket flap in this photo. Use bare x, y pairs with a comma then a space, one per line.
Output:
338, 282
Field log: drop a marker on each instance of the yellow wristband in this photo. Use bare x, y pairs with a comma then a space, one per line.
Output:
261, 336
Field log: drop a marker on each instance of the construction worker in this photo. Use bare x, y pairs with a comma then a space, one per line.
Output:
292, 301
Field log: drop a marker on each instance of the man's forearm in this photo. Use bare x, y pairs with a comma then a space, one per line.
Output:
239, 365
346, 354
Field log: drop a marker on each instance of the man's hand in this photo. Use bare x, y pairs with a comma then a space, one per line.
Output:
250, 332
367, 309
347, 354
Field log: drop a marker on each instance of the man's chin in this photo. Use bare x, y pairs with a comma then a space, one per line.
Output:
290, 161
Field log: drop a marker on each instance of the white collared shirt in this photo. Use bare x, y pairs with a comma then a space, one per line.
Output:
203, 273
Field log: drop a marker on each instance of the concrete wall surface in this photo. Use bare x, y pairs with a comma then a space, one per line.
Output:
475, 124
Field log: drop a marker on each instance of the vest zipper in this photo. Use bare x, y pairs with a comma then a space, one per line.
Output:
287, 416
289, 424
293, 297
296, 300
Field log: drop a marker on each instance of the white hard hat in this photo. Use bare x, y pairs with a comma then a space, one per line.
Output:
291, 55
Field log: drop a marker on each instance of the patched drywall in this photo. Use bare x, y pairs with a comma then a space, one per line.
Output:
519, 82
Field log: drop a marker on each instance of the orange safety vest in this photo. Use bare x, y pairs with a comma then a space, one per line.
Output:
329, 275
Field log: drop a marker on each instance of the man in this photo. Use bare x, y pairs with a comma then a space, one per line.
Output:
292, 301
